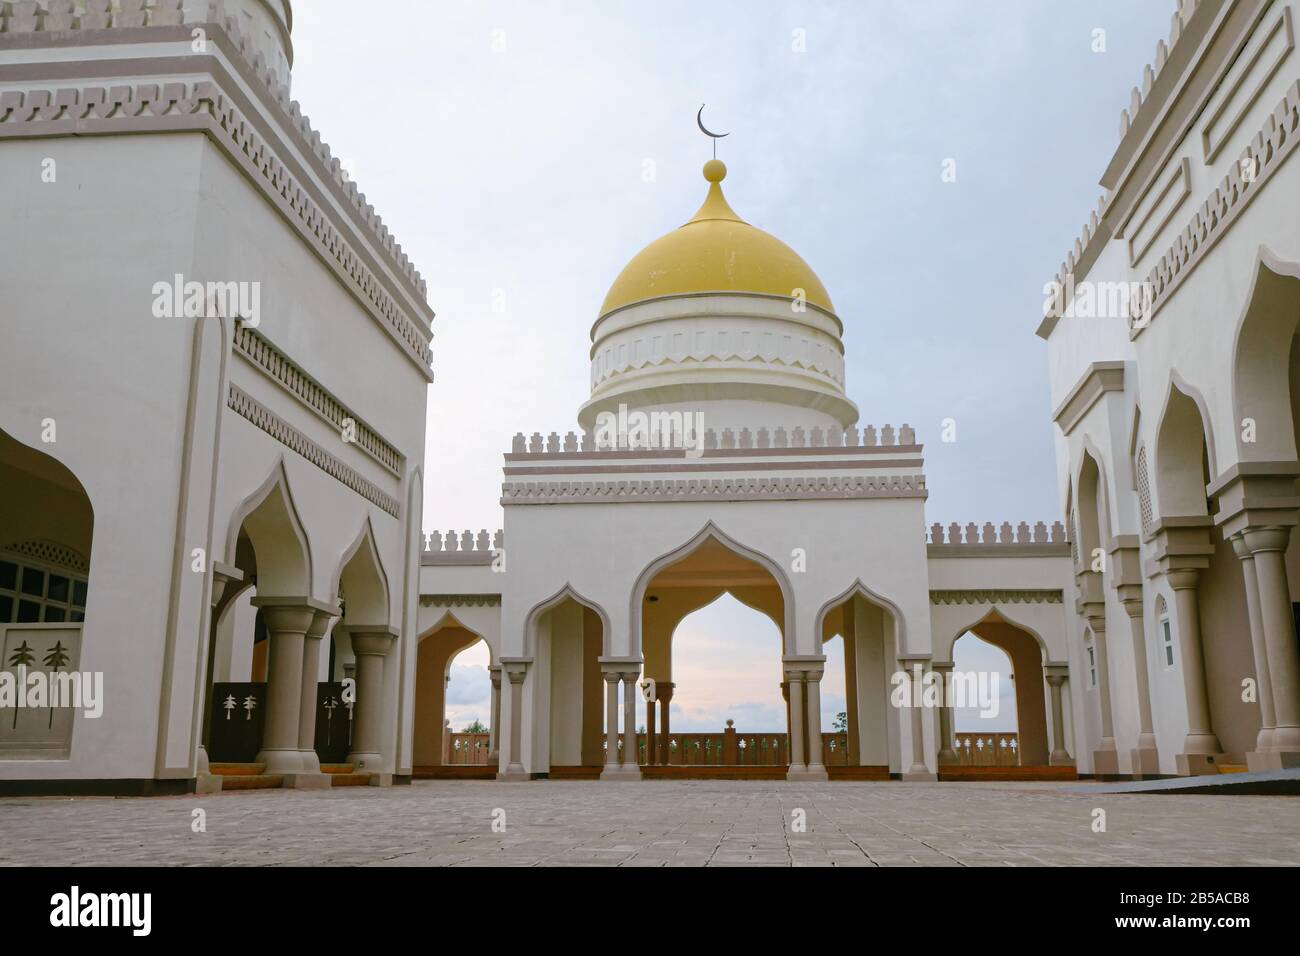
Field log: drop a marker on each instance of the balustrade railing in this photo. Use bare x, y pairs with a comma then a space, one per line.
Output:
987, 749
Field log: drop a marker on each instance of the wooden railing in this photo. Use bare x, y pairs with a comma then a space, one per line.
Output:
987, 749
468, 749
734, 749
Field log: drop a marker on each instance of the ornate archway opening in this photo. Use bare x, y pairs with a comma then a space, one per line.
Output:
567, 637
866, 630
455, 704
675, 588
994, 723
48, 525
1204, 579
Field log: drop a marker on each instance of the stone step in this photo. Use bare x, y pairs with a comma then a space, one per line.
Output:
1232, 768
349, 779
237, 769
261, 781
337, 768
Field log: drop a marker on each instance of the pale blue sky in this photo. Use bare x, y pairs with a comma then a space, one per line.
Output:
504, 143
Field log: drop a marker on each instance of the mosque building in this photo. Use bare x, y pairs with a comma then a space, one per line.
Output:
217, 522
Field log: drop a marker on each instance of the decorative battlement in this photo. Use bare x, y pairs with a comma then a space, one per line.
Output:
462, 547
463, 542
998, 538
1138, 98
1264, 154
1083, 252
59, 18
727, 439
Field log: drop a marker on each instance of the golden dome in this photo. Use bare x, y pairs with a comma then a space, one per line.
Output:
716, 251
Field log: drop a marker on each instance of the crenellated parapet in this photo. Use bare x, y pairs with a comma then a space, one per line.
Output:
27, 24
1007, 540
1151, 72
462, 547
726, 439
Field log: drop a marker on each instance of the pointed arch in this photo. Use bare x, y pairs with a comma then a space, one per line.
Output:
1184, 452
367, 590
710, 531
1261, 359
859, 588
995, 613
282, 549
1092, 503
566, 593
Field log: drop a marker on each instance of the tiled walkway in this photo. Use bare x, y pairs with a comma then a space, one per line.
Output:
449, 823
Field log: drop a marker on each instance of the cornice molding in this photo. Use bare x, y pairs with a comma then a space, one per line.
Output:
761, 488
29, 28
998, 596
258, 414
1100, 377
282, 370
460, 600
1268, 149
204, 106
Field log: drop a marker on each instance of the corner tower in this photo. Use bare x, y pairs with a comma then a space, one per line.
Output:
722, 318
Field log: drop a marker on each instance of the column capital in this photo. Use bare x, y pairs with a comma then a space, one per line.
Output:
224, 575
321, 622
371, 640
294, 615
1256, 494
1180, 543
1267, 538
515, 668
804, 666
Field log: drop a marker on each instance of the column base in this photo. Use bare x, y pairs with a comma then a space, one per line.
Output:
919, 775
365, 763
1194, 765
621, 772
807, 774
381, 780
1105, 759
307, 781
1273, 760
281, 761
1060, 759
946, 757
1146, 761
207, 783
513, 774
310, 761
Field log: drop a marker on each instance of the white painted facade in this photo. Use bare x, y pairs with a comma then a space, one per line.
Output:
241, 495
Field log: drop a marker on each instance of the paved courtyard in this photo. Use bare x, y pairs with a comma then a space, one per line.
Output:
679, 823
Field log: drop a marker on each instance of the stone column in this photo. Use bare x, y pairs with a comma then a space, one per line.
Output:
1060, 757
370, 646
1126, 565
227, 584
1268, 546
651, 744
813, 706
287, 622
516, 669
919, 771
611, 726
947, 719
1201, 749
1259, 650
794, 688
1092, 608
665, 694
311, 646
494, 756
631, 763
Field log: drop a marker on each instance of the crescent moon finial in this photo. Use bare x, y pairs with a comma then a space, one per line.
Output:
699, 121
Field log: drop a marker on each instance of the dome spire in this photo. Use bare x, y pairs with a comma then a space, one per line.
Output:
715, 204
699, 121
